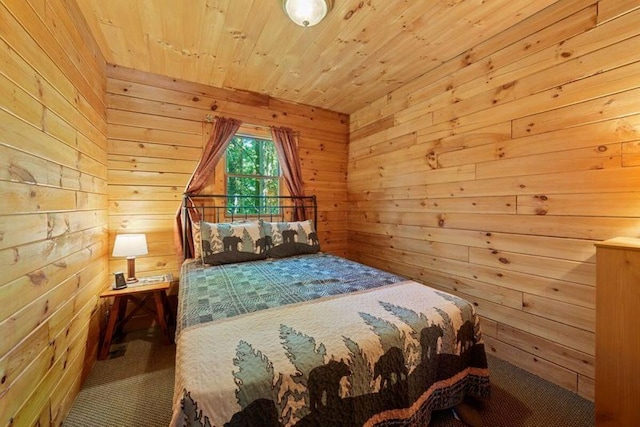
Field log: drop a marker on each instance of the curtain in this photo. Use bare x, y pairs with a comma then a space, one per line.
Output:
223, 131
286, 143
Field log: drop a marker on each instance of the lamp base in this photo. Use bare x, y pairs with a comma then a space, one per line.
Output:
131, 270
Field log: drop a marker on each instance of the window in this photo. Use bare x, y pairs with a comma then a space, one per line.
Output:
252, 170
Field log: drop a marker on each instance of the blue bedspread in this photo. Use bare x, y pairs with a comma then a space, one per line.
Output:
228, 290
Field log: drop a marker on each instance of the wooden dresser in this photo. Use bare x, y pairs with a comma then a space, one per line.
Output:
617, 385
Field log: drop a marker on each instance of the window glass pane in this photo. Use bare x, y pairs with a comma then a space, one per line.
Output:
242, 187
250, 156
269, 160
243, 156
252, 170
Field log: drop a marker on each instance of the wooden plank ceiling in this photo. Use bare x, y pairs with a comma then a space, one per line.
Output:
363, 49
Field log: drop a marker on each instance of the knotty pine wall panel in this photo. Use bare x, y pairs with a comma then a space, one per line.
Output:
157, 129
492, 175
53, 219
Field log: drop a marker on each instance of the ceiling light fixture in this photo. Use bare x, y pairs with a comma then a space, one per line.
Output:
307, 13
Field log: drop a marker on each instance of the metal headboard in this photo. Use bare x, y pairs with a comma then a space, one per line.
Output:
230, 207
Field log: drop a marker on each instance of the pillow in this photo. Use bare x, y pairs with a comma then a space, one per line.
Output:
197, 239
197, 244
225, 243
290, 238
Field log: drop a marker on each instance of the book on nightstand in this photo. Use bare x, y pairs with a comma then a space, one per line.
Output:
155, 279
149, 280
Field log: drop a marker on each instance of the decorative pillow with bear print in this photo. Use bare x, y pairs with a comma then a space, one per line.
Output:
225, 243
290, 238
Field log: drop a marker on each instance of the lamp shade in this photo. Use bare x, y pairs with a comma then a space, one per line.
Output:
130, 245
307, 13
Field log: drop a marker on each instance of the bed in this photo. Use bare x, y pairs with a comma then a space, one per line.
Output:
308, 338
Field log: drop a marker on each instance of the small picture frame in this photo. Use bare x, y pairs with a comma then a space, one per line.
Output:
121, 282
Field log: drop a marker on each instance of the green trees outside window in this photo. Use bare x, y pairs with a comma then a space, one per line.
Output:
252, 170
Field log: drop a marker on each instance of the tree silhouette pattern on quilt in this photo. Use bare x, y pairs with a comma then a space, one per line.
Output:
448, 341
254, 375
388, 333
326, 390
469, 332
416, 322
191, 415
305, 354
361, 374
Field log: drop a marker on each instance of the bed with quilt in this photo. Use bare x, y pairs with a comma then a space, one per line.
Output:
298, 337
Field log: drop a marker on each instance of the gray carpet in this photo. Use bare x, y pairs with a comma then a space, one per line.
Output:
135, 388
520, 399
132, 388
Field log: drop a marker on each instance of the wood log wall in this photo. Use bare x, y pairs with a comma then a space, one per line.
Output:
157, 129
53, 217
492, 176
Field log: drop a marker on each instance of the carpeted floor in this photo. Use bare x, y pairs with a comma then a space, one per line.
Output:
520, 399
135, 388
132, 388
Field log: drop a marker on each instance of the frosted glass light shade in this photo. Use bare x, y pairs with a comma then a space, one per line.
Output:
307, 13
130, 245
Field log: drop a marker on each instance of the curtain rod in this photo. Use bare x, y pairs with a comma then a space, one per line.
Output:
209, 119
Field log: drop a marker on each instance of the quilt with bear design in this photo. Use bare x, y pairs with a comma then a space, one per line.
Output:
386, 355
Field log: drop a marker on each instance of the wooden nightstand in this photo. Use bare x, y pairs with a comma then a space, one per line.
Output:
139, 296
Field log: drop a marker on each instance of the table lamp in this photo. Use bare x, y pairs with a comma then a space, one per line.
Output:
130, 246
